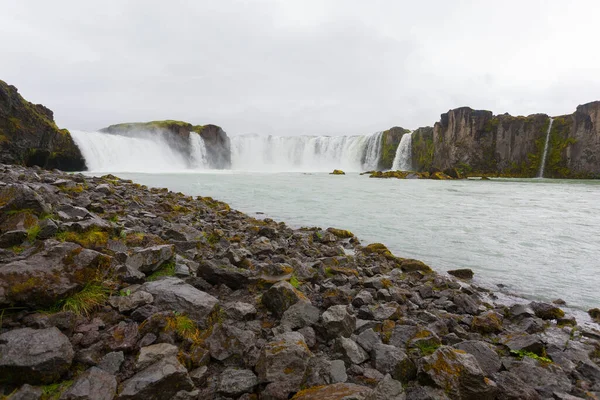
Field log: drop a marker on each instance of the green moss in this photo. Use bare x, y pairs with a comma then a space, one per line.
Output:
556, 160
91, 297
92, 238
33, 232
422, 149
55, 390
294, 281
167, 269
426, 347
522, 353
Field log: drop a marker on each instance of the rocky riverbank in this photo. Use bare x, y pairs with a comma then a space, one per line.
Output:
110, 289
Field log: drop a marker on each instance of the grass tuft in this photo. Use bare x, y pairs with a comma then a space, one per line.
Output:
33, 232
92, 238
167, 269
90, 298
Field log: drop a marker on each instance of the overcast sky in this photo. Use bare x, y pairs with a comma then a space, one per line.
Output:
299, 67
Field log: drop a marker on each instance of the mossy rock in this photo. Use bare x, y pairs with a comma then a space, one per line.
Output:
594, 313
337, 391
337, 172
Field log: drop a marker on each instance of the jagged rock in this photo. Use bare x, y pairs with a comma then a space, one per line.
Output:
338, 322
465, 304
34, 355
402, 334
300, 315
388, 359
122, 337
594, 313
93, 384
20, 197
545, 380
531, 343
350, 351
156, 352
363, 298
235, 382
546, 310
387, 389
458, 373
223, 273
425, 393
465, 273
240, 311
409, 265
368, 339
69, 213
337, 391
226, 341
280, 297
320, 371
32, 281
112, 362
521, 311
510, 387
198, 376
174, 294
12, 238
150, 259
160, 381
488, 322
27, 392
486, 357
284, 359
131, 301
48, 229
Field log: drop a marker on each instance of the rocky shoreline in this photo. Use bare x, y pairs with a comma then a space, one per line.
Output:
110, 289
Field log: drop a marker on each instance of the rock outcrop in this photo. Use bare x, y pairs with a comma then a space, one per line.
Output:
390, 140
177, 134
29, 136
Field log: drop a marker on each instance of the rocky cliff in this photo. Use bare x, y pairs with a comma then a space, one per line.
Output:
390, 140
29, 136
477, 142
177, 134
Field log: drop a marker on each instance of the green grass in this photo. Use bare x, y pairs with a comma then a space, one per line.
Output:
90, 298
55, 390
426, 348
33, 232
522, 353
294, 281
94, 237
168, 269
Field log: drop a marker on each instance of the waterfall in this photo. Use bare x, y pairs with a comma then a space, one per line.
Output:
545, 153
403, 158
198, 152
146, 152
305, 153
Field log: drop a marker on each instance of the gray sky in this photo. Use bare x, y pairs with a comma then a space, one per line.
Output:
299, 67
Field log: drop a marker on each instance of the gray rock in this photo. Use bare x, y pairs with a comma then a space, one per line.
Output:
310, 336
223, 273
320, 371
198, 376
112, 362
160, 381
337, 372
486, 357
338, 322
34, 355
465, 304
387, 389
546, 380
131, 302
48, 229
368, 339
456, 372
93, 384
341, 391
280, 297
546, 310
284, 359
425, 393
12, 238
300, 315
173, 294
27, 392
363, 298
240, 311
235, 382
226, 341
388, 359
402, 334
20, 197
350, 351
521, 311
510, 387
464, 273
156, 352
524, 342
69, 213
150, 259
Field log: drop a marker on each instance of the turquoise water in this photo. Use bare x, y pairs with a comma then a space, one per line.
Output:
539, 237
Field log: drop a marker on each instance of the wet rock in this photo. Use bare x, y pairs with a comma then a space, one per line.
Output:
488, 322
546, 310
388, 359
284, 359
34, 355
173, 294
486, 357
131, 302
150, 259
458, 373
337, 391
235, 382
465, 273
93, 384
350, 351
594, 313
151, 354
280, 297
338, 322
387, 389
510, 387
160, 381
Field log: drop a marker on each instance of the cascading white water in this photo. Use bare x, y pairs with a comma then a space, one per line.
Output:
105, 152
198, 152
403, 158
305, 153
545, 153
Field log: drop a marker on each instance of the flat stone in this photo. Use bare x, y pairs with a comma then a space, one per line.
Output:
235, 382
486, 357
93, 384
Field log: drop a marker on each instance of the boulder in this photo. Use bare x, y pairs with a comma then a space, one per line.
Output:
300, 315
337, 391
227, 340
350, 351
234, 382
156, 352
34, 355
546, 310
338, 322
458, 373
594, 314
172, 294
280, 297
387, 389
19, 197
488, 322
27, 392
160, 381
368, 339
131, 301
55, 272
389, 359
150, 259
486, 357
320, 371
93, 384
464, 273
510, 387
240, 311
545, 380
223, 273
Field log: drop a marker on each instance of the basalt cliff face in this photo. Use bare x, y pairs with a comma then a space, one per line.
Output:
218, 151
29, 136
390, 140
477, 142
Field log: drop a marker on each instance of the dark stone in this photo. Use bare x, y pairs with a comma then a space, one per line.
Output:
465, 273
